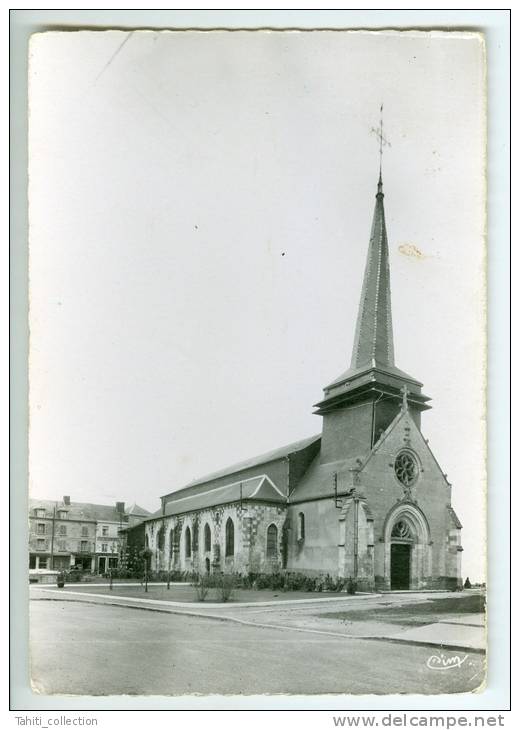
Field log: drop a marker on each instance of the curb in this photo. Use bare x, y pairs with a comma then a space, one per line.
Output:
246, 604
430, 644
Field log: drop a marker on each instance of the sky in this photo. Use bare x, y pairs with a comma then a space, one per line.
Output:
200, 208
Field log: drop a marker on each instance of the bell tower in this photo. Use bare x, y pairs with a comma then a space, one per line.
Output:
362, 402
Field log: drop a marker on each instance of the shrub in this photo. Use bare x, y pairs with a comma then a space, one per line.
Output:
340, 585
202, 587
249, 581
225, 587
294, 582
301, 582
178, 576
263, 581
276, 581
212, 580
467, 583
351, 586
311, 583
328, 583
333, 585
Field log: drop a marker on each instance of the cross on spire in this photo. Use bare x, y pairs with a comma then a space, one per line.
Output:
383, 142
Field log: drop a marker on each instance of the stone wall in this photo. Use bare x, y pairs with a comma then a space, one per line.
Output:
257, 520
250, 524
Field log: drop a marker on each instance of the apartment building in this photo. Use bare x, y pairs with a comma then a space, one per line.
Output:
65, 534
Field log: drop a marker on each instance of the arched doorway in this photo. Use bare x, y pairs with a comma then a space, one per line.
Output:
400, 555
407, 549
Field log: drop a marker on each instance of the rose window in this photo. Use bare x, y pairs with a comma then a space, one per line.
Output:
405, 468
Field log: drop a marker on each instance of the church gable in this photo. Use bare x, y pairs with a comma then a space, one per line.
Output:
401, 463
404, 439
402, 470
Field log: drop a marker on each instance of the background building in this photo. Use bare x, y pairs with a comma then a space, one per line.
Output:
65, 534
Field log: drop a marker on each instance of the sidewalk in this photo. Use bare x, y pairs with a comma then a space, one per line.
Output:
448, 635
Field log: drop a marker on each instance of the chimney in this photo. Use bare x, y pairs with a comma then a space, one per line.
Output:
120, 507
66, 500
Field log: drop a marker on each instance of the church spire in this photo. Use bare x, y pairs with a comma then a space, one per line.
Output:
372, 372
373, 340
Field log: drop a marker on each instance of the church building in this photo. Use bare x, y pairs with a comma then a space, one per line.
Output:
366, 499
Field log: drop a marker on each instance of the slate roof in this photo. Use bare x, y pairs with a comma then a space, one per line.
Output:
78, 510
352, 373
137, 511
318, 480
265, 458
373, 340
260, 488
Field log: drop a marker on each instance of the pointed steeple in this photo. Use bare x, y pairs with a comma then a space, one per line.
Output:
372, 371
374, 340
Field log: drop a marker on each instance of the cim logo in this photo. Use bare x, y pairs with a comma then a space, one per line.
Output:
441, 661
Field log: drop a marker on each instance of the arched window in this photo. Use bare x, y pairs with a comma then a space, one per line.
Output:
187, 543
272, 541
177, 536
146, 542
230, 538
195, 530
207, 538
301, 526
172, 539
160, 539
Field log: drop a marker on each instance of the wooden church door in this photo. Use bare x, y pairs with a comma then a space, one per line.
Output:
400, 566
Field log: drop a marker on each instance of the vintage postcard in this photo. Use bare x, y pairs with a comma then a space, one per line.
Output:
257, 362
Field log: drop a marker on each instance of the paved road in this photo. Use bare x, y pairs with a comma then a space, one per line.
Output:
79, 648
